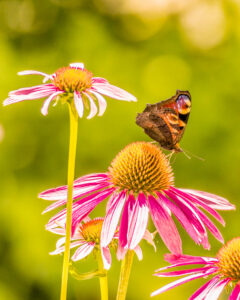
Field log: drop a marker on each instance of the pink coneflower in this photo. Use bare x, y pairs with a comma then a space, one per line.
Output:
225, 267
87, 238
73, 82
139, 181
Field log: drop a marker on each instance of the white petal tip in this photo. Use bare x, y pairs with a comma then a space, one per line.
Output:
77, 65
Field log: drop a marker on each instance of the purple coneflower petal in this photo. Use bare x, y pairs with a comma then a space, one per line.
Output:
106, 257
93, 107
78, 103
99, 80
44, 109
209, 224
235, 295
199, 202
203, 290
101, 102
181, 260
84, 206
149, 238
184, 272
32, 72
189, 210
182, 281
62, 249
83, 251
216, 202
81, 188
80, 209
138, 252
213, 290
113, 91
114, 209
165, 225
78, 192
133, 222
183, 218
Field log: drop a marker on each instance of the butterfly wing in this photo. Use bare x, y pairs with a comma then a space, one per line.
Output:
166, 121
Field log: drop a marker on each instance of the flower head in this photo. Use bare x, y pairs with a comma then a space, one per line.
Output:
72, 83
87, 238
225, 267
139, 182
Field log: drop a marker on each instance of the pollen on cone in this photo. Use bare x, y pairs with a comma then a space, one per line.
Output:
141, 166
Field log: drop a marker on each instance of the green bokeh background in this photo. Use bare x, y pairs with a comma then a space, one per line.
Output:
150, 48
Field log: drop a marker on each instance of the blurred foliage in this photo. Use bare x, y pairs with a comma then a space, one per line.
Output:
150, 48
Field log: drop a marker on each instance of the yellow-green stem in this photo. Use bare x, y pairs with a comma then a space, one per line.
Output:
124, 275
102, 279
71, 170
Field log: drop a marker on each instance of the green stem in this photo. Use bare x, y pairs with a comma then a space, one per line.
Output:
71, 171
124, 275
103, 279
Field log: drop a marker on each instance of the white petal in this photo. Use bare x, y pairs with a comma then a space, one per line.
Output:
78, 103
101, 102
44, 109
106, 257
83, 251
77, 65
93, 107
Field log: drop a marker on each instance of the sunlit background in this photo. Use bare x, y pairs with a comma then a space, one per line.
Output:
150, 48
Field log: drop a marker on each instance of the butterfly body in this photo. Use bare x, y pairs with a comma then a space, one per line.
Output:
166, 121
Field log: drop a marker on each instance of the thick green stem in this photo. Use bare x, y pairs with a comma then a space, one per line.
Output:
124, 275
71, 171
103, 279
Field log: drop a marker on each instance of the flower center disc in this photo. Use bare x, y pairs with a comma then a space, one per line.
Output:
141, 166
70, 79
229, 259
91, 230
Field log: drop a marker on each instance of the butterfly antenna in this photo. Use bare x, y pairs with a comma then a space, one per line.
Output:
189, 155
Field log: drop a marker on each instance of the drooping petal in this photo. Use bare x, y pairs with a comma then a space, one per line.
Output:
189, 210
216, 290
83, 251
99, 80
148, 236
199, 202
114, 209
183, 218
80, 209
113, 91
216, 202
93, 107
77, 65
106, 257
184, 272
165, 225
77, 193
62, 249
209, 224
182, 281
133, 222
101, 102
81, 186
138, 252
235, 295
32, 72
44, 109
78, 103
181, 260
203, 290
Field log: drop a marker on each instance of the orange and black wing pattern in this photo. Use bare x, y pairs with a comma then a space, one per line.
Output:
166, 121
